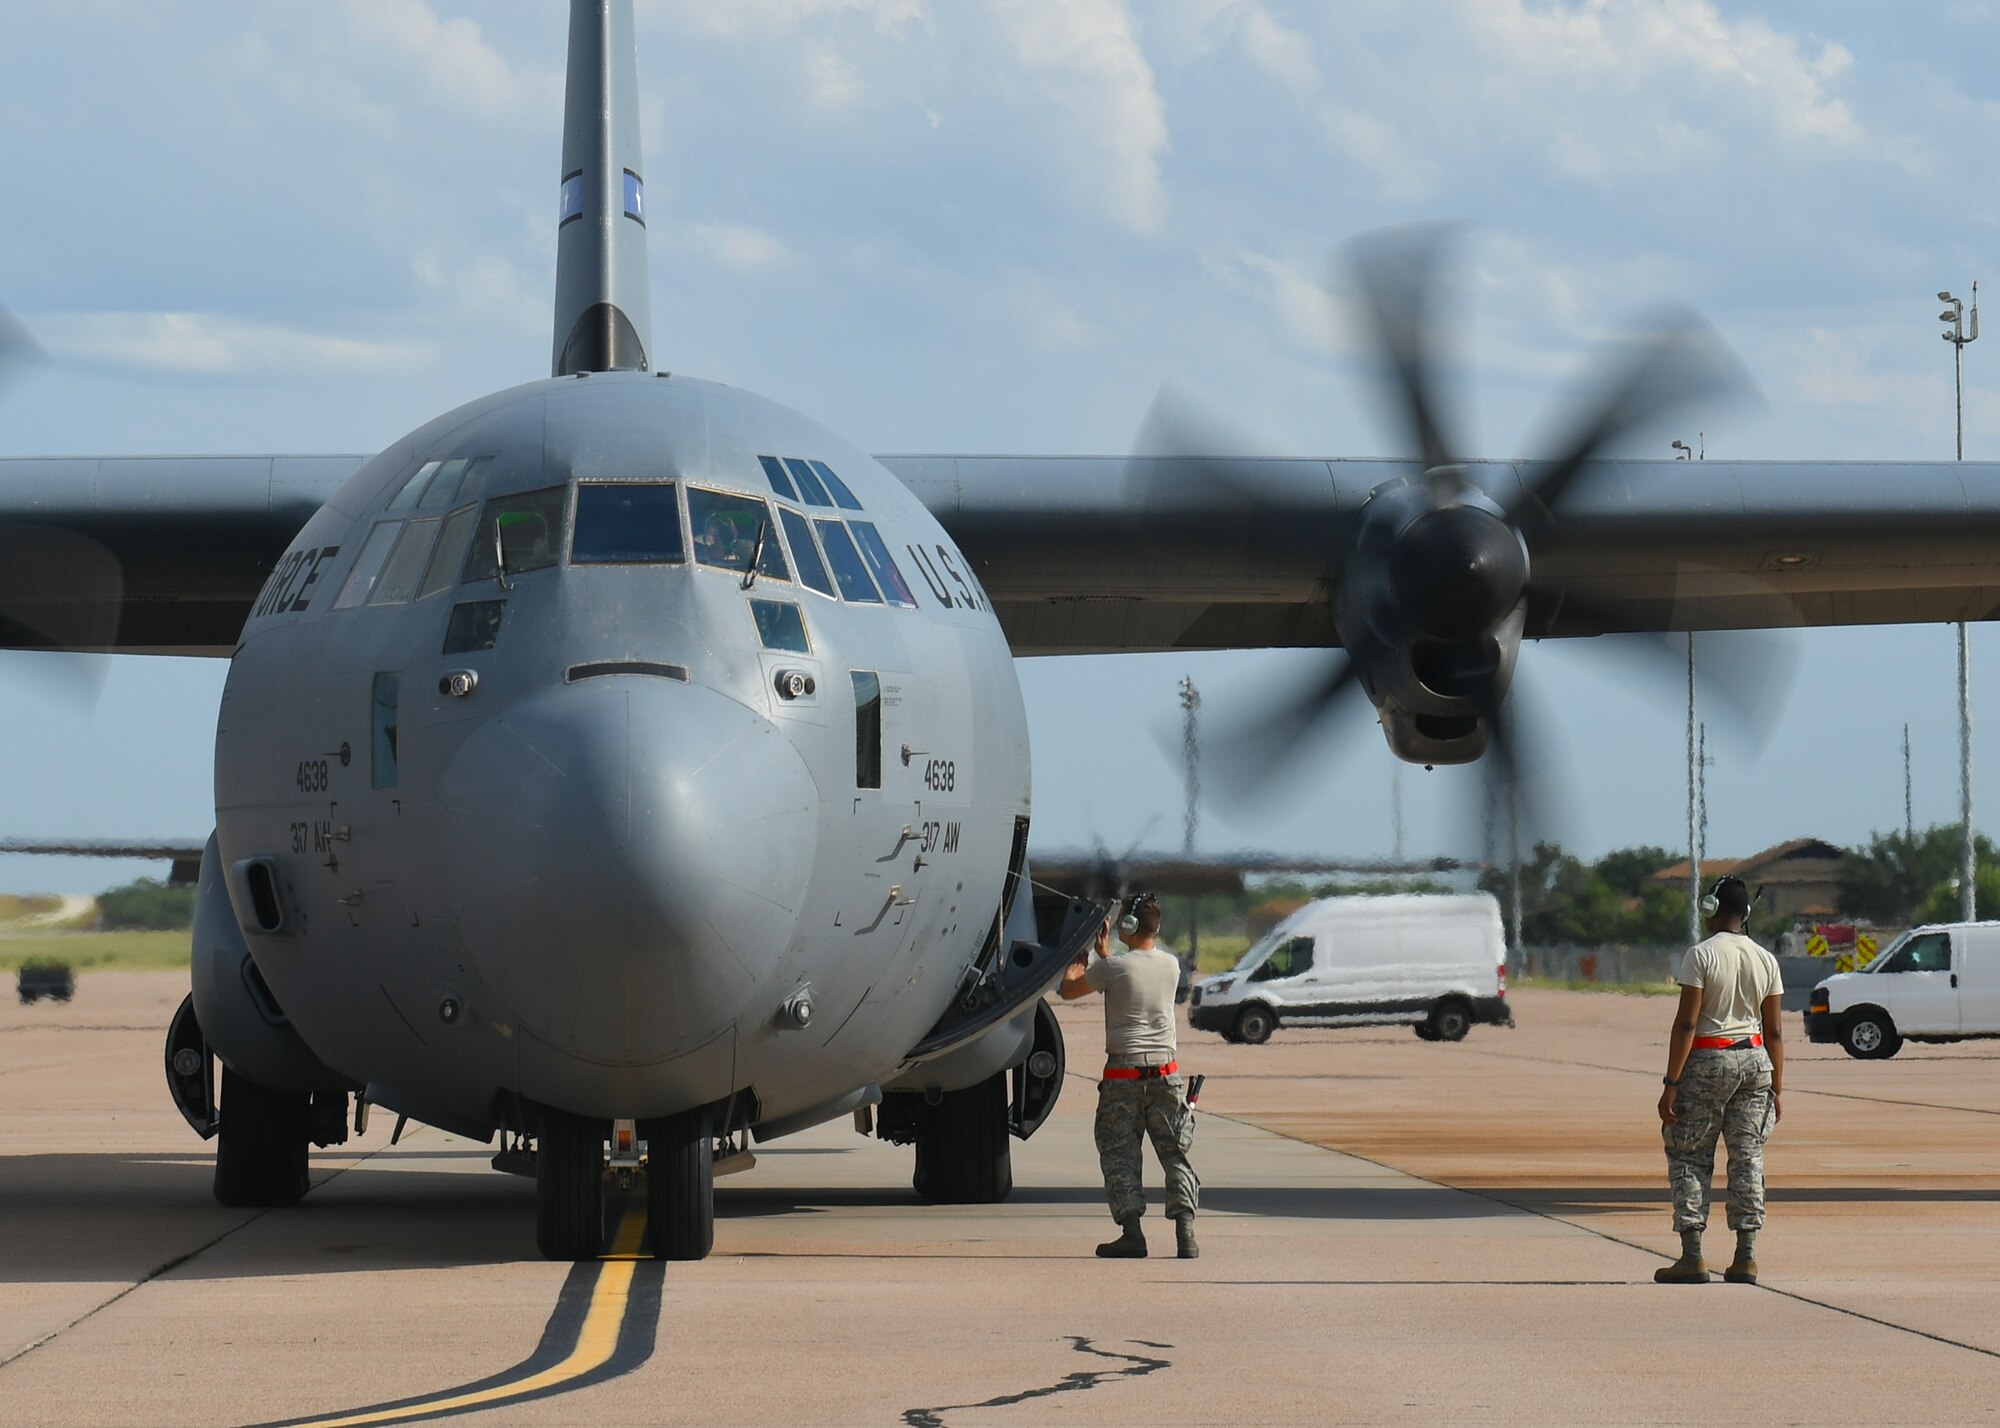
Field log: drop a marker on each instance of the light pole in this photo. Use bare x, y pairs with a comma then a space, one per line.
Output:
1958, 336
1694, 809
1191, 755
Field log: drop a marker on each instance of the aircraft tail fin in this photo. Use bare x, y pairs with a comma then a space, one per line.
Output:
603, 317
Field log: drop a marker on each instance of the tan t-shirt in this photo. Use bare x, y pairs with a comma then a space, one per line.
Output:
1735, 975
1138, 989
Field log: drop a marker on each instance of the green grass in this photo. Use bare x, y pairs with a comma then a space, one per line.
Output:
1630, 989
1218, 952
14, 907
97, 951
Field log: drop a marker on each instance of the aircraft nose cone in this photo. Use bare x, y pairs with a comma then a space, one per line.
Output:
1460, 570
628, 859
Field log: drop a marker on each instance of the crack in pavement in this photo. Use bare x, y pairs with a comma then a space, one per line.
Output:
1497, 1198
1080, 1380
167, 1268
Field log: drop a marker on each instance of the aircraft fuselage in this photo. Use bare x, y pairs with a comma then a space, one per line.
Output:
556, 801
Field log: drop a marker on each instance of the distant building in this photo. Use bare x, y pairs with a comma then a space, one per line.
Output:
1800, 878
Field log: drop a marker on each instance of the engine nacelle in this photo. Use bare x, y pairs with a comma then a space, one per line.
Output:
1431, 608
239, 1017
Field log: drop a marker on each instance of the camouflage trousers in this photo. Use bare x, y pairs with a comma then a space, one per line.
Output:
1725, 1095
1130, 1112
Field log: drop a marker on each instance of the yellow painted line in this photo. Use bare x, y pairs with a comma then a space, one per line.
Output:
596, 1341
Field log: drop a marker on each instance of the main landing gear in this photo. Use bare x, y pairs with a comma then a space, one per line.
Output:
963, 1155
680, 1184
260, 1144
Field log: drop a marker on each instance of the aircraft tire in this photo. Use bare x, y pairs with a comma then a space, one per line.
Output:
963, 1153
261, 1145
680, 1183
569, 1186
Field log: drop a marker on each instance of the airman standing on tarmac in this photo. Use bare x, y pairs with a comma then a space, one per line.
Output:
1725, 1073
1142, 1095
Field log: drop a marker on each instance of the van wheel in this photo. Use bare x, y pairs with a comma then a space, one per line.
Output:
1254, 1024
1425, 1031
1450, 1020
1869, 1035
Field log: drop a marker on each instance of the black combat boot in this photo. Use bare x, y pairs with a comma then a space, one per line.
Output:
1131, 1244
1184, 1238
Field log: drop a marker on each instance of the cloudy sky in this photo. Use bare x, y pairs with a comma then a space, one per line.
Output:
1004, 226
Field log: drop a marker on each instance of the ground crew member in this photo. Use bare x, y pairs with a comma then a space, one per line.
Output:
1725, 1072
1141, 1096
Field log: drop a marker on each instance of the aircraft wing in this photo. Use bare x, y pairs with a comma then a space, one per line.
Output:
148, 554
1102, 554
1083, 554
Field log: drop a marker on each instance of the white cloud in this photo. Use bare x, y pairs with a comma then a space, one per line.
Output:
457, 62
736, 18
1277, 49
732, 245
1625, 45
210, 344
833, 79
1091, 67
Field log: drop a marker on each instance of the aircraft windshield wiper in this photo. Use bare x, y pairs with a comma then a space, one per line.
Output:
756, 552
500, 558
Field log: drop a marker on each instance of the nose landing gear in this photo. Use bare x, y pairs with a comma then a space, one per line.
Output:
569, 1185
680, 1183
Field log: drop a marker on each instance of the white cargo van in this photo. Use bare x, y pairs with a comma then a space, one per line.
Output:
1937, 983
1436, 962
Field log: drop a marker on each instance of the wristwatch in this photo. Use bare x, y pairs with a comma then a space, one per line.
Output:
1668, 1081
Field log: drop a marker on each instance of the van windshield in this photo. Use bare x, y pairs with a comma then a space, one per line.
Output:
1257, 949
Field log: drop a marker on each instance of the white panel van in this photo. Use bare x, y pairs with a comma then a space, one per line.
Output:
1435, 962
1936, 983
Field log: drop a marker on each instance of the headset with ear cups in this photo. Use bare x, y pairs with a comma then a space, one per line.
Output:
1711, 901
1129, 923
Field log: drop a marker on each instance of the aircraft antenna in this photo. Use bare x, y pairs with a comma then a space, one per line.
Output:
603, 316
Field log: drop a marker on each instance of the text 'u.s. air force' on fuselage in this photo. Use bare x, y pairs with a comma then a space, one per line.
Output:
593, 770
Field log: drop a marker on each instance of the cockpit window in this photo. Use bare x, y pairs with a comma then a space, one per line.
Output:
805, 555
637, 524
810, 490
404, 569
835, 485
774, 472
474, 626
455, 481
847, 564
450, 553
530, 532
780, 625
881, 564
367, 565
726, 531
438, 485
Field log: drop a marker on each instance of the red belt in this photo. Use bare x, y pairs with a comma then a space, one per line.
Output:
1728, 1043
1140, 1073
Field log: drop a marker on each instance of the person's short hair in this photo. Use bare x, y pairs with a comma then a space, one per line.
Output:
1146, 911
1732, 898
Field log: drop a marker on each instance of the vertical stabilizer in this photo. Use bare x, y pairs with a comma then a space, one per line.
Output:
604, 318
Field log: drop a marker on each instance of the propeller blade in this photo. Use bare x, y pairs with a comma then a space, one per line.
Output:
1744, 675
59, 591
18, 348
1248, 759
1396, 274
1680, 362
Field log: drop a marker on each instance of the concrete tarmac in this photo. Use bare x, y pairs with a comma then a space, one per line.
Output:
1393, 1231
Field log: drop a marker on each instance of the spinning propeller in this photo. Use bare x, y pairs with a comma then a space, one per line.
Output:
1435, 577
59, 589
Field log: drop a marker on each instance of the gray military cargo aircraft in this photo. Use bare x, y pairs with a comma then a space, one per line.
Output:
624, 765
